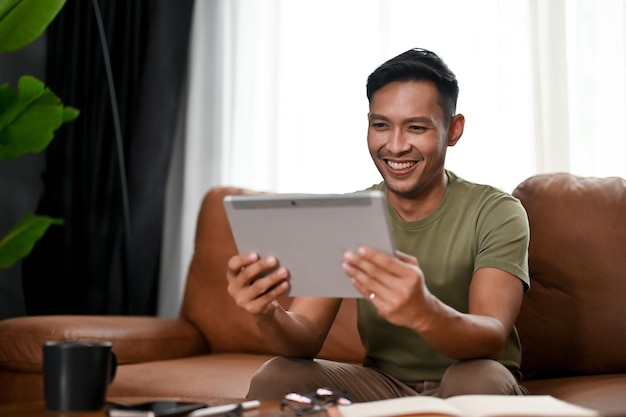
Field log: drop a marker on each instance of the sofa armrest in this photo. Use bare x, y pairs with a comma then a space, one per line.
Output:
135, 339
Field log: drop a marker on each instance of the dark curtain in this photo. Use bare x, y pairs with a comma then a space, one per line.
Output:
105, 258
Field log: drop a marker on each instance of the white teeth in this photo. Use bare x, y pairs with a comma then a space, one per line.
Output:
400, 165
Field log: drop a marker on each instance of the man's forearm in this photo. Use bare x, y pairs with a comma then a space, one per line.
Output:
288, 334
464, 336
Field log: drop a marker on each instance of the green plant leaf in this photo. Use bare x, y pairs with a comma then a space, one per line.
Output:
69, 114
23, 21
22, 238
29, 117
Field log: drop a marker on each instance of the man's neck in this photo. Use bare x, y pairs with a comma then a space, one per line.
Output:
422, 204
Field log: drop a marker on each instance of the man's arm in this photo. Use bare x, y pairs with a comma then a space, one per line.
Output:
299, 332
403, 299
494, 303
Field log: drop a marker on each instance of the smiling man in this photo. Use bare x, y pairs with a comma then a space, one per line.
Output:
438, 317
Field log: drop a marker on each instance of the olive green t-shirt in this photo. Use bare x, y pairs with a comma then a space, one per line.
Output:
475, 226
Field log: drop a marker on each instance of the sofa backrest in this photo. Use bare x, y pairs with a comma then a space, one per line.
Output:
573, 318
206, 303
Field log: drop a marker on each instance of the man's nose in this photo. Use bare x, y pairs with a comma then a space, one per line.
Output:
398, 142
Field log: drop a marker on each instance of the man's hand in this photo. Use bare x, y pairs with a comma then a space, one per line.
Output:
395, 285
255, 283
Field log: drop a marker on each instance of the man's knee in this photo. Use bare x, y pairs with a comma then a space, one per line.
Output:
279, 376
480, 376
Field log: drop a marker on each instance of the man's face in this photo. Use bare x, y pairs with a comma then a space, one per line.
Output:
407, 138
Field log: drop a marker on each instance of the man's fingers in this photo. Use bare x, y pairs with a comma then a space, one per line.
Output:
407, 258
238, 262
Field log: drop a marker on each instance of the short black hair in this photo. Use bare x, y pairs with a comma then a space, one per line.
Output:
418, 65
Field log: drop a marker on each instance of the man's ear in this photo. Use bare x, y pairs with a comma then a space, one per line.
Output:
457, 124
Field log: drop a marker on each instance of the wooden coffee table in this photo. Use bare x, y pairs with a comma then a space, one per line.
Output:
38, 409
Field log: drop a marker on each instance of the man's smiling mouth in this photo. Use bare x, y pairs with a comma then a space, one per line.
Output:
400, 165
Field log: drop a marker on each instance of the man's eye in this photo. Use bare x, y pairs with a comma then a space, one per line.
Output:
379, 125
417, 128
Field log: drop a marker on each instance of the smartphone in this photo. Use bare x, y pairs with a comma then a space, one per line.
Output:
155, 409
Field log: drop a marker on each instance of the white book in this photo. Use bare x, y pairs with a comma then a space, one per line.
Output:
466, 406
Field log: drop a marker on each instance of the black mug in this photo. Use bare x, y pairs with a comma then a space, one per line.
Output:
77, 374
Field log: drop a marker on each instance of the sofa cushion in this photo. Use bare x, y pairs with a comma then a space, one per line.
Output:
221, 375
573, 318
604, 393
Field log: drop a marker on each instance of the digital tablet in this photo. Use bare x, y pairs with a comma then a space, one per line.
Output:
309, 233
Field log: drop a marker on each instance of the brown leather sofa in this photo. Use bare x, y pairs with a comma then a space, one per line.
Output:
572, 324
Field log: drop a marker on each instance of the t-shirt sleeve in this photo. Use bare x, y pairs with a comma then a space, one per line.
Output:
503, 235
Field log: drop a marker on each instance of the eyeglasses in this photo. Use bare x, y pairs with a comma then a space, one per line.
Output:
314, 402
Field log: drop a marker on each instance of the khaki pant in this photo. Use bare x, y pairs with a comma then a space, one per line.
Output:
282, 375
